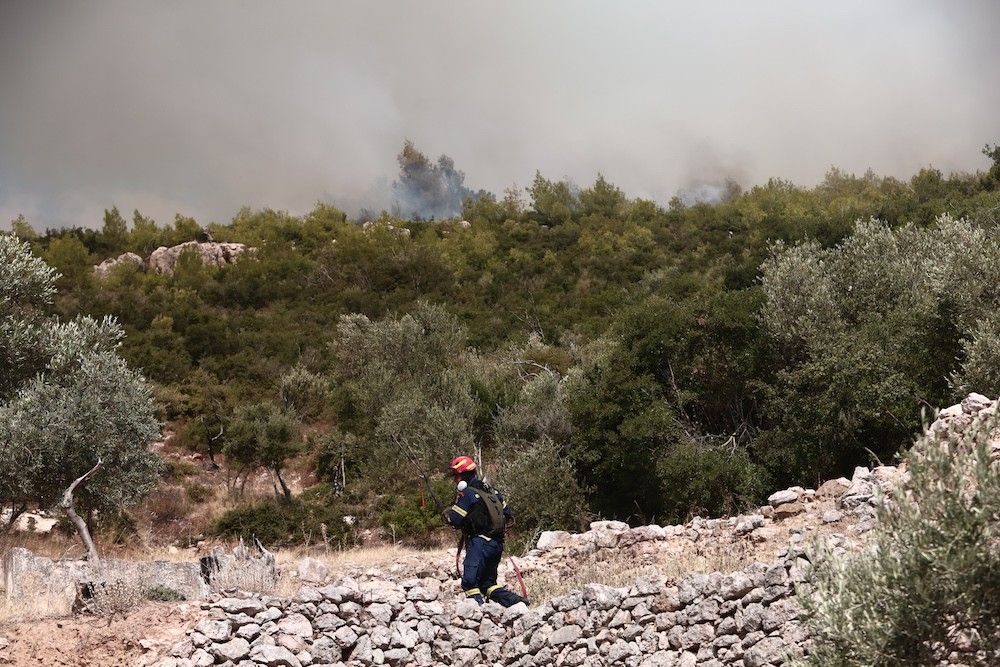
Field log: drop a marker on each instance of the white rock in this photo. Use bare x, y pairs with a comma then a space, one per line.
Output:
613, 526
274, 656
163, 259
234, 649
201, 658
565, 635
552, 539
216, 631
783, 497
104, 269
950, 412
297, 625
975, 403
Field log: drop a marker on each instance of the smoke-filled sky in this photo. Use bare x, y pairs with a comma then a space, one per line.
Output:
202, 107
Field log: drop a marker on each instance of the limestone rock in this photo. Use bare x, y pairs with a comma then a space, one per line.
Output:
788, 510
274, 656
552, 539
104, 269
215, 631
163, 259
296, 625
779, 498
312, 571
832, 516
234, 649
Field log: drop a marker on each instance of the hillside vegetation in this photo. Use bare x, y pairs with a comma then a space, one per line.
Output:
605, 355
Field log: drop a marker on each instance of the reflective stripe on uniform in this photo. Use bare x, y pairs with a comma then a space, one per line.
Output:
489, 591
459, 511
488, 539
473, 592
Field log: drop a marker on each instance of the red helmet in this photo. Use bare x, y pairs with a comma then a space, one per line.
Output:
462, 464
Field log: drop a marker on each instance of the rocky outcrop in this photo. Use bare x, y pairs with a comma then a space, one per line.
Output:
104, 269
163, 259
373, 225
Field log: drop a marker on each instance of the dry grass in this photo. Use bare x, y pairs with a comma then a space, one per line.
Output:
339, 560
620, 569
122, 590
248, 579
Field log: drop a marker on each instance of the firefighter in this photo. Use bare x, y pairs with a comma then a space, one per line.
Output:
481, 513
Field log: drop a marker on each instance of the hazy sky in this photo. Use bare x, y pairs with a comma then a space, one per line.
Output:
201, 107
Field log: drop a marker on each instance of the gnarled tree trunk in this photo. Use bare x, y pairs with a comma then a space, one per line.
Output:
81, 526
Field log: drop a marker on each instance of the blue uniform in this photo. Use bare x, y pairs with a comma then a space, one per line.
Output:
482, 552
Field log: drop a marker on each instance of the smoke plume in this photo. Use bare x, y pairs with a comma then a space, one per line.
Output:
203, 107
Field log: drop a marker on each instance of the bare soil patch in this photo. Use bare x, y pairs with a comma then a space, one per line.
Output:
92, 641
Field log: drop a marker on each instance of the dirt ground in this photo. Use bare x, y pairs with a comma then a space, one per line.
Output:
90, 641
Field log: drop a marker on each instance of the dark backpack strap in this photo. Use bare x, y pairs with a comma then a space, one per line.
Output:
494, 511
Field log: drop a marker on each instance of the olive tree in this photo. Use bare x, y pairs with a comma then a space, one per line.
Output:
75, 421
870, 330
408, 384
263, 436
924, 590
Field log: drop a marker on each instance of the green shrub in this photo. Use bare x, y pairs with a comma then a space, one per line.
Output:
160, 593
926, 585
199, 493
709, 480
175, 469
540, 487
287, 522
410, 513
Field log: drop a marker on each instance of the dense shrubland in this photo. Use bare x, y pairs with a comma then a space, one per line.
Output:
603, 354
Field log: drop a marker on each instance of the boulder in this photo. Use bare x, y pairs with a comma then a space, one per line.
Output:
297, 625
312, 571
249, 606
274, 656
975, 403
788, 510
552, 539
833, 488
565, 635
234, 649
215, 631
163, 259
613, 526
104, 269
779, 498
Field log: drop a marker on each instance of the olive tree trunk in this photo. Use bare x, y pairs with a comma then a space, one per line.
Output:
81, 526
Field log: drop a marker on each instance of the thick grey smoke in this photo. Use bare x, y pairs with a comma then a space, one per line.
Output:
202, 107
426, 189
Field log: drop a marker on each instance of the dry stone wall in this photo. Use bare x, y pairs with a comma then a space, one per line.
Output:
27, 574
745, 618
